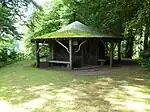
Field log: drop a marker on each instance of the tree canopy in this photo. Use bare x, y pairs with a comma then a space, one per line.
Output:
7, 28
11, 12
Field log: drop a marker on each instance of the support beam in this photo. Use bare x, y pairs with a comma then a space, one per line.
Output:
70, 53
37, 55
97, 52
119, 51
62, 45
111, 52
52, 50
79, 47
82, 54
49, 46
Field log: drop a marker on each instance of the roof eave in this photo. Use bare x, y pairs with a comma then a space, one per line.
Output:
79, 37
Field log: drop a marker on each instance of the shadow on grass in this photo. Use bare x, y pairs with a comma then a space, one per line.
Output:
33, 90
101, 95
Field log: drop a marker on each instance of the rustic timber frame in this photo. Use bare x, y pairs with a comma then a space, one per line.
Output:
63, 51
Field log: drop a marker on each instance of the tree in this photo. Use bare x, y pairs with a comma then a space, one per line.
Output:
7, 28
126, 18
44, 21
140, 23
17, 7
10, 10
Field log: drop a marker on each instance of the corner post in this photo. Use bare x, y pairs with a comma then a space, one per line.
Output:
52, 50
111, 52
82, 54
37, 55
70, 54
49, 46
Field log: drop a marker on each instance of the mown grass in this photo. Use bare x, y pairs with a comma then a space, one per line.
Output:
25, 88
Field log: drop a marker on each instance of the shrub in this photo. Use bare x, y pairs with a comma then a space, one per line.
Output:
145, 63
9, 56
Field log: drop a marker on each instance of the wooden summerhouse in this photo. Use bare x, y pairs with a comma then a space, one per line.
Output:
76, 45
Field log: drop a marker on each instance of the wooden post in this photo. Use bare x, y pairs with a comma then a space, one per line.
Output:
52, 50
70, 53
37, 55
49, 45
97, 52
111, 52
88, 52
82, 54
119, 49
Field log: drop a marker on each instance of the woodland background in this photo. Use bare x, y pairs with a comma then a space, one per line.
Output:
127, 18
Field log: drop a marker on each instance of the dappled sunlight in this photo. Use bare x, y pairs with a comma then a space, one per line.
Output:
41, 91
38, 88
103, 81
15, 94
7, 107
131, 98
103, 94
36, 103
66, 90
135, 106
139, 94
64, 97
46, 96
137, 91
52, 93
139, 79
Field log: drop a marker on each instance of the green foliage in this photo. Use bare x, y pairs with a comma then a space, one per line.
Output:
46, 20
42, 22
11, 12
7, 28
140, 24
13, 57
8, 33
106, 15
127, 18
8, 55
145, 63
18, 7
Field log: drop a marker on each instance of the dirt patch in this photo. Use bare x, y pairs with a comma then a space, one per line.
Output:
93, 71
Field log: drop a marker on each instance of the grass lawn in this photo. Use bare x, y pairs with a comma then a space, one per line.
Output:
27, 89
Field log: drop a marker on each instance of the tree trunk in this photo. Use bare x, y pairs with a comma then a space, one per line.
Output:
146, 48
129, 47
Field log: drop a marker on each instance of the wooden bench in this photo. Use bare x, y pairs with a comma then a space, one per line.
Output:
102, 61
59, 62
